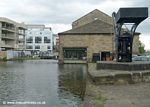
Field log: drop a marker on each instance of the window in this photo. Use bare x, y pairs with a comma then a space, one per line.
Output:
21, 31
48, 47
29, 47
47, 40
75, 53
37, 47
29, 40
20, 41
38, 39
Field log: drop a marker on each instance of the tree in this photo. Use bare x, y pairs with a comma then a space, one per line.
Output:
141, 48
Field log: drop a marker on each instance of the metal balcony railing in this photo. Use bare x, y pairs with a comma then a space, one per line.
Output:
5, 36
10, 29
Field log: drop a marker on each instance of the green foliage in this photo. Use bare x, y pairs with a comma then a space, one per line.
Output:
101, 98
20, 58
141, 48
4, 59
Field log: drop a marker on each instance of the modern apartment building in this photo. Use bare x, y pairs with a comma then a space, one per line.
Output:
39, 38
21, 36
10, 34
56, 42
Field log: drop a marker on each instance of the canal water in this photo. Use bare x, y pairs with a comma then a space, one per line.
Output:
41, 83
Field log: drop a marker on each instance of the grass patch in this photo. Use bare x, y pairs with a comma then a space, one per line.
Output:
20, 58
3, 59
101, 98
26, 58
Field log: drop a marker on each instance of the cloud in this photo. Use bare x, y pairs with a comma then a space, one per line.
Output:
50, 11
59, 27
56, 11
61, 13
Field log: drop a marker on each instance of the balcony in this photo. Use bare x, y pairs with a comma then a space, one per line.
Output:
21, 40
8, 29
8, 37
21, 32
7, 46
21, 44
21, 47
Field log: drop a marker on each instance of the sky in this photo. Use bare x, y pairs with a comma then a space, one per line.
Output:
59, 14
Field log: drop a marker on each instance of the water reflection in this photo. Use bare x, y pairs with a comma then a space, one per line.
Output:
42, 80
72, 78
11, 82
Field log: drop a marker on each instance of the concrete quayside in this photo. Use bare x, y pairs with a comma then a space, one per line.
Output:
117, 88
109, 73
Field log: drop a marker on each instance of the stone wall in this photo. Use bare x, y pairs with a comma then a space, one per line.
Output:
119, 77
94, 15
136, 43
93, 43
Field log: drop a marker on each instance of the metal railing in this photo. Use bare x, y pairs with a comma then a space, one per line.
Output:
5, 36
10, 29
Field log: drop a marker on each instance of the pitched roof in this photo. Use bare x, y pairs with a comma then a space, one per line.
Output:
92, 12
95, 27
91, 16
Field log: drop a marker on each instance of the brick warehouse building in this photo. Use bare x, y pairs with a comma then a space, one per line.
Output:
90, 35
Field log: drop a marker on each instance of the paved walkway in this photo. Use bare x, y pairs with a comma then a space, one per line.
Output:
117, 95
134, 95
128, 103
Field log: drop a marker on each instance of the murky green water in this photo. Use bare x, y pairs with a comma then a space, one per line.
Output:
41, 81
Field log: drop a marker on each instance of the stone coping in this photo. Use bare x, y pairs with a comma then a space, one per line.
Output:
119, 77
74, 62
125, 66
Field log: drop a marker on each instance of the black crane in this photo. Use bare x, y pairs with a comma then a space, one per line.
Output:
124, 36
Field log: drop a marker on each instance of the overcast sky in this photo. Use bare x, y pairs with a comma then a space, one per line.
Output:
59, 14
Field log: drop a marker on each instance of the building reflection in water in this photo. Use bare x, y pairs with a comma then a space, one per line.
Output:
72, 83
42, 80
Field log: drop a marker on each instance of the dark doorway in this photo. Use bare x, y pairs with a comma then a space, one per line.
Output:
106, 56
